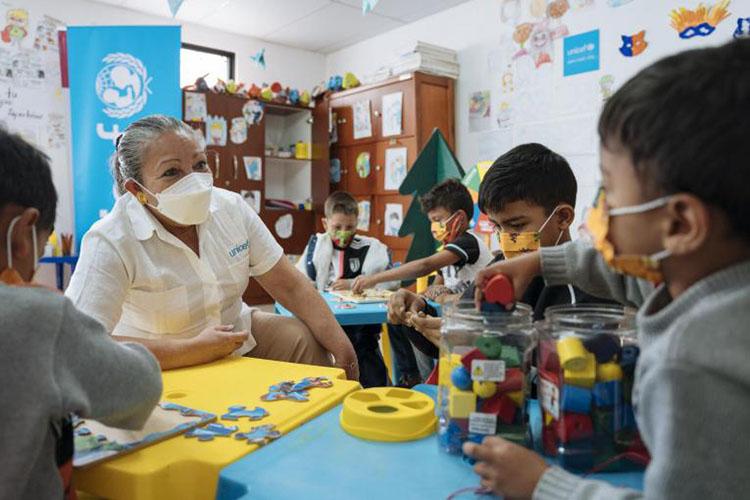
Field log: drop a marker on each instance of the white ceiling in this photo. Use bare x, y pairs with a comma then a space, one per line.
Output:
317, 25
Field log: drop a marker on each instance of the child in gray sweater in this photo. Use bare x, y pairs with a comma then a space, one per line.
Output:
673, 211
54, 360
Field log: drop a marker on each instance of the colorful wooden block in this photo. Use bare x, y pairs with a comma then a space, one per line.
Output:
575, 399
606, 372
607, 393
470, 356
583, 377
502, 406
605, 346
511, 355
490, 346
574, 427
548, 418
513, 380
550, 361
572, 353
516, 397
461, 403
445, 368
549, 441
460, 378
484, 389
629, 355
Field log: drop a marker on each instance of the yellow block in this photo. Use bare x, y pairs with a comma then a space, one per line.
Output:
607, 372
445, 367
548, 418
461, 403
584, 377
517, 397
385, 341
572, 353
181, 468
484, 389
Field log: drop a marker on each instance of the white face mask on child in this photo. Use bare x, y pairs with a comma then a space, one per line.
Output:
9, 275
186, 201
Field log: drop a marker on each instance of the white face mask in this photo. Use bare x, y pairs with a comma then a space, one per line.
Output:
11, 275
186, 201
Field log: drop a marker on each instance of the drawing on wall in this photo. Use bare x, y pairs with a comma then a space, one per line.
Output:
362, 165
504, 115
510, 11
216, 131
195, 107
506, 81
536, 41
392, 110
362, 123
46, 34
394, 216
238, 132
253, 112
606, 82
16, 26
743, 28
252, 198
363, 218
479, 111
335, 170
582, 4
701, 21
633, 45
56, 131
253, 168
284, 226
395, 168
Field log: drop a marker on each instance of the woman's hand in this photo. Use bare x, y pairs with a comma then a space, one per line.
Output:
401, 303
218, 342
362, 283
341, 284
507, 469
347, 361
428, 326
520, 270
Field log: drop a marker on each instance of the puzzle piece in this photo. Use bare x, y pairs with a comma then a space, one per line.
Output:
261, 434
209, 432
286, 386
289, 390
300, 396
238, 411
310, 382
185, 411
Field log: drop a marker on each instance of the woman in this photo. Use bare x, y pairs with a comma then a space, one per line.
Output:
167, 267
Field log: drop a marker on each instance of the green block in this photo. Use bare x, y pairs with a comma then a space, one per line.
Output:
490, 346
513, 433
511, 356
604, 423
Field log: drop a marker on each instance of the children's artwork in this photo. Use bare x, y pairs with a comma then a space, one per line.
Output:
618, 3
369, 296
16, 27
195, 107
362, 123
56, 131
479, 111
253, 168
537, 8
535, 39
633, 45
582, 4
606, 82
259, 435
394, 216
510, 11
211, 431
252, 198
743, 28
506, 81
335, 170
504, 115
240, 411
701, 21
362, 165
216, 131
259, 58
238, 132
392, 107
581, 53
174, 6
368, 5
46, 34
284, 226
95, 442
363, 218
395, 168
252, 111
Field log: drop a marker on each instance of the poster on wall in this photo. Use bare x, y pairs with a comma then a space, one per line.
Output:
479, 111
392, 111
362, 122
394, 216
581, 53
216, 130
116, 77
253, 168
238, 132
195, 107
363, 219
395, 168
252, 198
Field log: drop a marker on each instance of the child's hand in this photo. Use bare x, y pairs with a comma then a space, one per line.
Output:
428, 326
362, 283
341, 284
520, 270
401, 303
507, 469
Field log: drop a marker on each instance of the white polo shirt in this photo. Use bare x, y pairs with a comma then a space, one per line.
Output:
139, 280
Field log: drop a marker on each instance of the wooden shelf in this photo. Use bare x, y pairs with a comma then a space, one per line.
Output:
281, 158
275, 108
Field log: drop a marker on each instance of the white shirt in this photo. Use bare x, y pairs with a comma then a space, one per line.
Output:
474, 256
139, 280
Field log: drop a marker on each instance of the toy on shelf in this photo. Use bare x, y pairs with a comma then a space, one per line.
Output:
335, 83
294, 97
220, 86
350, 81
254, 92
199, 85
235, 88
319, 90
304, 98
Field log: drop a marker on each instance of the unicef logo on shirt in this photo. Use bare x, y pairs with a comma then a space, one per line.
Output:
122, 85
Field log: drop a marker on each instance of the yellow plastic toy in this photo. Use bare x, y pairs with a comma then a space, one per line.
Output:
388, 414
607, 372
266, 94
572, 353
304, 98
484, 389
350, 81
584, 377
461, 403
516, 397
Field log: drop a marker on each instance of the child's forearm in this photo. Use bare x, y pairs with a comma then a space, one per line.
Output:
410, 270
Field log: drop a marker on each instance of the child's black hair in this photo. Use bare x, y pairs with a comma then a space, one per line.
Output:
684, 121
529, 172
450, 195
26, 179
340, 202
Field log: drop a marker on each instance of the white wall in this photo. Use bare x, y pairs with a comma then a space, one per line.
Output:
544, 106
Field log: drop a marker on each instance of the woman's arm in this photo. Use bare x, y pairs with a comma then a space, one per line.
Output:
295, 292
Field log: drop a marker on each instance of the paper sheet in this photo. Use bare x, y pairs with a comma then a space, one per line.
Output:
362, 121
395, 168
392, 111
394, 216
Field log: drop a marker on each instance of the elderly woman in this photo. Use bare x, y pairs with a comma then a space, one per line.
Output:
167, 267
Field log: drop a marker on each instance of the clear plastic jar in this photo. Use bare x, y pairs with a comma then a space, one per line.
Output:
586, 365
483, 374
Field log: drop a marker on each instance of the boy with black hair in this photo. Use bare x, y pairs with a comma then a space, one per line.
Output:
333, 260
52, 356
673, 211
449, 207
529, 194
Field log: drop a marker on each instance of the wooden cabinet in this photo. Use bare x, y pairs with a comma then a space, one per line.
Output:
427, 102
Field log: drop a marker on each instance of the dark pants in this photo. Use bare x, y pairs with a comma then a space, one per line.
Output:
406, 362
364, 338
417, 339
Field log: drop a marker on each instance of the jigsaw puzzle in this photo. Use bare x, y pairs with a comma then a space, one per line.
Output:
239, 411
209, 432
291, 391
260, 435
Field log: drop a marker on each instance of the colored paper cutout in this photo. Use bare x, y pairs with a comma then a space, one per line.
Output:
633, 45
701, 21
259, 58
362, 164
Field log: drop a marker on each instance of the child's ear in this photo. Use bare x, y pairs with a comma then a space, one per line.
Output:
565, 215
688, 224
324, 221
21, 242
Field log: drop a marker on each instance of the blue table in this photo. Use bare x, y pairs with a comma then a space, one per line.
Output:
360, 314
60, 263
320, 460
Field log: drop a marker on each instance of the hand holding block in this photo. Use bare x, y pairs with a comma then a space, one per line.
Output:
499, 290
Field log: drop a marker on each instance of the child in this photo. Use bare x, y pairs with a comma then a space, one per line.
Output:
449, 207
333, 260
529, 194
673, 211
54, 360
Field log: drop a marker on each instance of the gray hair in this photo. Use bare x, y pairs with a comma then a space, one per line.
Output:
131, 145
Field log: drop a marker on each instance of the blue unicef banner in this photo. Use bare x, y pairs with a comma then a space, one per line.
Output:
581, 53
118, 74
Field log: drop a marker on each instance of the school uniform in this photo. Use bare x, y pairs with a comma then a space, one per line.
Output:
473, 255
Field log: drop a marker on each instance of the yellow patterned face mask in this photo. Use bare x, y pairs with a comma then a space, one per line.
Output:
446, 231
515, 244
640, 266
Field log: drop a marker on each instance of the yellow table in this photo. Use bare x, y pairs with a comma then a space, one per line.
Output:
185, 468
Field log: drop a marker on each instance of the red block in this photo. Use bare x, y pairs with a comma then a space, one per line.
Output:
574, 427
467, 358
502, 406
549, 441
513, 381
461, 423
550, 359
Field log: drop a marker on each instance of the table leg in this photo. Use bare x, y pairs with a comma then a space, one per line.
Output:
60, 270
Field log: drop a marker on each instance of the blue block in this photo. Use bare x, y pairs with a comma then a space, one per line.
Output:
604, 346
629, 355
624, 417
607, 393
461, 378
575, 399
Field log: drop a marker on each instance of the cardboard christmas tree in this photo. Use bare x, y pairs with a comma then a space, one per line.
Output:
434, 164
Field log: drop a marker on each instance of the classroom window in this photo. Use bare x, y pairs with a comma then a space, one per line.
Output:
196, 61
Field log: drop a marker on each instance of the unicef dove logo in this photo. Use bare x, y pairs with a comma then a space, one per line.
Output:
122, 85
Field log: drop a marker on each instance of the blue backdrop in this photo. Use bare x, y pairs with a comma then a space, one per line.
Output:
117, 75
